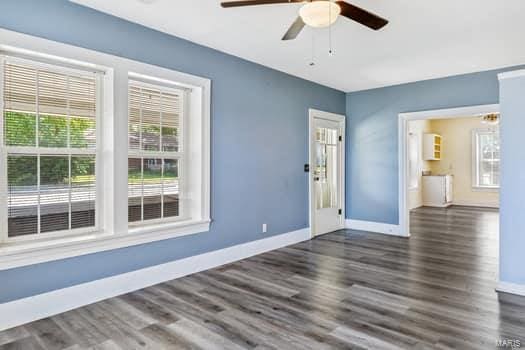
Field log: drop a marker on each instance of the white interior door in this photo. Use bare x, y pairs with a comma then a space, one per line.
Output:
327, 169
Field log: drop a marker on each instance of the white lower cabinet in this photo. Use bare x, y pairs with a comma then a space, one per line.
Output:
437, 190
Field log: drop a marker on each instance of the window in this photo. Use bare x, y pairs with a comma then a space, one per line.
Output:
486, 159
156, 152
49, 148
97, 152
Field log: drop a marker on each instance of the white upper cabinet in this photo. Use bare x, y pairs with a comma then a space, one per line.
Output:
432, 147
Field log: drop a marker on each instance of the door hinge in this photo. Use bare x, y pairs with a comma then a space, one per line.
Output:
340, 211
340, 138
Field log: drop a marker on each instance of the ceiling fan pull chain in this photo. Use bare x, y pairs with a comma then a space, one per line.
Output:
330, 51
312, 61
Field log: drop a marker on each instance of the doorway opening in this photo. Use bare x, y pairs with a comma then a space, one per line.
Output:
448, 157
449, 183
326, 176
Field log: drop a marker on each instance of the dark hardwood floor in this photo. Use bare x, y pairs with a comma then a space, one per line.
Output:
348, 290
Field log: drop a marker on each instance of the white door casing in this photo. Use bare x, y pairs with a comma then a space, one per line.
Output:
403, 120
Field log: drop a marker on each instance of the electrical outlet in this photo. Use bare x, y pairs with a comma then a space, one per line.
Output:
264, 228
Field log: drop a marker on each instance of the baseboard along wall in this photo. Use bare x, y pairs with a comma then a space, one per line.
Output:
370, 226
511, 288
22, 311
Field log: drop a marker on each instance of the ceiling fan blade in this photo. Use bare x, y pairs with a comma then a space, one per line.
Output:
256, 2
294, 29
361, 16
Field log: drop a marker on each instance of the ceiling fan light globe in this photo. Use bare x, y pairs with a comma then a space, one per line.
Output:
320, 14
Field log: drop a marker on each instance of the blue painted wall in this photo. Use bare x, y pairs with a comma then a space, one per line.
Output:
259, 141
512, 203
372, 135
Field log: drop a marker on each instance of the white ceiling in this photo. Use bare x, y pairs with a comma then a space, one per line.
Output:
424, 39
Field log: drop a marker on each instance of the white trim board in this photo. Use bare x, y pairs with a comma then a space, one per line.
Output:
476, 204
33, 308
511, 288
40, 252
370, 226
511, 74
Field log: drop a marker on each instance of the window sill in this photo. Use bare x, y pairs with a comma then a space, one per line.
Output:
485, 189
14, 255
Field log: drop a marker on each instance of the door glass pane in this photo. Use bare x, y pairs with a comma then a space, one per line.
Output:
22, 195
325, 172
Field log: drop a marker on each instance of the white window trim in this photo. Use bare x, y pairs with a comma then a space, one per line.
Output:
114, 232
61, 67
181, 155
475, 184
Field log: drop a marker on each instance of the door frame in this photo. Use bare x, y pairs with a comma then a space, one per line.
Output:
404, 118
341, 119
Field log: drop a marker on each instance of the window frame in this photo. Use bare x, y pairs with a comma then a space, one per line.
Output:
114, 231
56, 67
181, 155
476, 186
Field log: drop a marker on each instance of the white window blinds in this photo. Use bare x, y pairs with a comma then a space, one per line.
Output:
154, 119
155, 152
49, 123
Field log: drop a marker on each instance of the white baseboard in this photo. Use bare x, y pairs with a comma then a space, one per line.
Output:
511, 288
370, 226
476, 204
33, 308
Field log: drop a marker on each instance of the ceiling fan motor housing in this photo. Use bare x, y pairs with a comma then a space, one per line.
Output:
317, 13
320, 14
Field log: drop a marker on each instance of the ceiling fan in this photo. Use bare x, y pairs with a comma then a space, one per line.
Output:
318, 14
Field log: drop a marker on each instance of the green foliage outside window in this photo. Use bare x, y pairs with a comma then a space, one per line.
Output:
20, 131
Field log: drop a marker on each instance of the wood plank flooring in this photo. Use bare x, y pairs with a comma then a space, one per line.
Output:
344, 290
